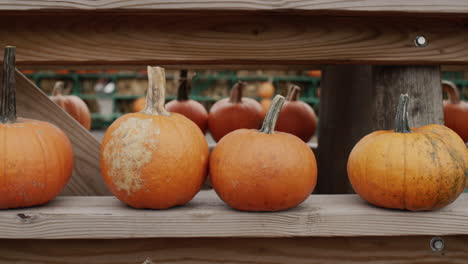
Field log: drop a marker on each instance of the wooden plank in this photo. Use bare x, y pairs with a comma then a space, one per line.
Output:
207, 216
357, 100
401, 6
260, 39
383, 250
33, 103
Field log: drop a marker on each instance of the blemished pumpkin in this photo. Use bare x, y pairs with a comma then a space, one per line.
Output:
191, 109
266, 90
139, 104
72, 104
416, 169
297, 117
263, 170
233, 113
455, 111
36, 158
153, 158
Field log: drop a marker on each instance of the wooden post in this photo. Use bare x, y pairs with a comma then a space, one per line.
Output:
357, 100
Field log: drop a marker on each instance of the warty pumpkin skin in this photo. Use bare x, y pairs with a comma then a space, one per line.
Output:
72, 104
254, 170
455, 111
139, 104
297, 117
233, 113
154, 159
417, 169
191, 109
36, 158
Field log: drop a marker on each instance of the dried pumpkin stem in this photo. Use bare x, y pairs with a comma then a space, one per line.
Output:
155, 97
451, 89
293, 93
269, 122
8, 90
184, 87
236, 92
401, 119
58, 88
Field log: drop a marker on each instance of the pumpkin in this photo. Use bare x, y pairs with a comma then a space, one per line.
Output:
455, 111
266, 90
233, 113
153, 158
297, 117
315, 73
191, 109
416, 169
263, 170
139, 104
265, 103
72, 104
36, 158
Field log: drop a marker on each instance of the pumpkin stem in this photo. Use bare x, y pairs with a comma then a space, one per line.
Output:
155, 97
236, 92
8, 90
451, 89
401, 119
293, 93
58, 88
184, 87
269, 122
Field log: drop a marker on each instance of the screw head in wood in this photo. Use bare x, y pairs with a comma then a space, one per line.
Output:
437, 244
420, 41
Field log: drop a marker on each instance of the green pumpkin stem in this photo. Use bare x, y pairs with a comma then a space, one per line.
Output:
184, 87
58, 88
155, 97
8, 90
269, 122
401, 119
451, 89
236, 92
293, 93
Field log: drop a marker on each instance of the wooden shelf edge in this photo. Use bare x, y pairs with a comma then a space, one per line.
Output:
92, 217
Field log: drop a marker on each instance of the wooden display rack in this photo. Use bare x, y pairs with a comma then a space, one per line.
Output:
354, 41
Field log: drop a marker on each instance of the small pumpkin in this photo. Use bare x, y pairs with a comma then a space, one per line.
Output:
72, 104
416, 169
266, 90
455, 111
139, 104
297, 117
265, 103
235, 112
263, 170
191, 109
36, 158
153, 158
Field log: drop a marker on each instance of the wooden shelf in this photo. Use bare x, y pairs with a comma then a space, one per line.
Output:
208, 216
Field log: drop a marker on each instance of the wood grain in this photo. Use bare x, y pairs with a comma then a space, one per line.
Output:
414, 6
31, 102
263, 39
375, 250
357, 100
208, 216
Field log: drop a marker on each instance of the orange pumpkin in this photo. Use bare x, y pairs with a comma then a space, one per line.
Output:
139, 104
72, 104
455, 111
265, 103
315, 73
297, 117
263, 170
36, 158
233, 113
191, 109
153, 158
417, 169
266, 90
